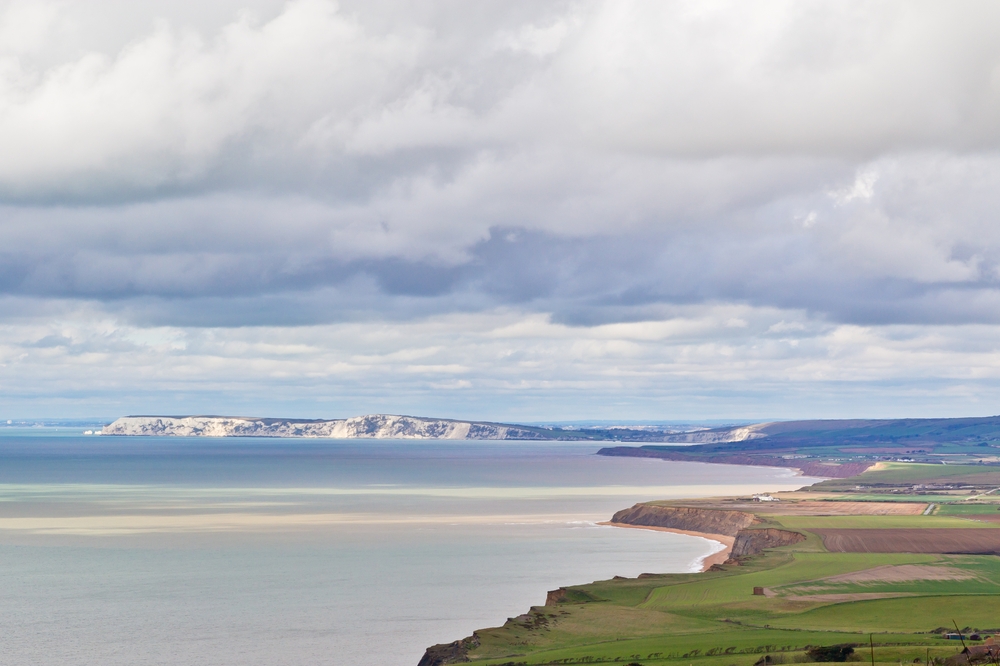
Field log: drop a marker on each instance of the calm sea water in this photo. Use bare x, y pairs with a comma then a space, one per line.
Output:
248, 552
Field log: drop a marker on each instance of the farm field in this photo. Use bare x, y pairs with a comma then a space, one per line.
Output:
826, 507
989, 518
922, 496
897, 574
914, 540
904, 614
970, 509
880, 522
897, 474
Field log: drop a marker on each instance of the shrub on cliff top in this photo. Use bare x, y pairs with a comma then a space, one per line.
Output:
831, 652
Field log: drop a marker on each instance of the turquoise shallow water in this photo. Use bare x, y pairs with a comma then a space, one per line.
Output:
241, 551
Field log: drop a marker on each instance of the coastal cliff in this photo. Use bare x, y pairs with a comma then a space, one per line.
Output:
749, 540
372, 426
740, 528
754, 542
708, 521
449, 653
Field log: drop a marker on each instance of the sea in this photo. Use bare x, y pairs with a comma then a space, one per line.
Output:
120, 551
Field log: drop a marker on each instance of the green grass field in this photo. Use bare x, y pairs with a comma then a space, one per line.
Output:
893, 473
812, 597
714, 619
909, 614
796, 567
966, 508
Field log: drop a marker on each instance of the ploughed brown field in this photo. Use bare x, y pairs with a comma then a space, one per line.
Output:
972, 541
828, 508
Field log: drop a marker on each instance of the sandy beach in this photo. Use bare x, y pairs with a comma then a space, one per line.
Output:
714, 558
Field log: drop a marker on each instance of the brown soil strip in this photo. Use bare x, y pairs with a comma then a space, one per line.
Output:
714, 558
984, 517
972, 541
844, 508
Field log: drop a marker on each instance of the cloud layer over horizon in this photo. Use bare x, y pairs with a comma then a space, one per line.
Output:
500, 210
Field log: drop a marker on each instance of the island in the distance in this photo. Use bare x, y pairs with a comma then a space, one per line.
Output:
372, 426
394, 426
826, 448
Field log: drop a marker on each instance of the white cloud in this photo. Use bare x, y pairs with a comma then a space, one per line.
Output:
863, 188
165, 107
803, 176
347, 368
539, 41
26, 27
176, 103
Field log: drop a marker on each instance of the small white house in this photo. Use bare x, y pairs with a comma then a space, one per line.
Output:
765, 498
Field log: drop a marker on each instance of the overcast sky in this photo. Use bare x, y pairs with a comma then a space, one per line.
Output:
500, 210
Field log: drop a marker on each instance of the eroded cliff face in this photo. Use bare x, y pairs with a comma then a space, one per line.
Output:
372, 426
709, 521
739, 524
756, 541
449, 653
721, 435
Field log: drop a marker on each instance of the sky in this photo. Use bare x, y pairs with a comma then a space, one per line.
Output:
510, 210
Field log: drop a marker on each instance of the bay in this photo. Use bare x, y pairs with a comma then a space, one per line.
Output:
180, 551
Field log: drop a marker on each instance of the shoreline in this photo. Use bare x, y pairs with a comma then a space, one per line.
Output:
715, 558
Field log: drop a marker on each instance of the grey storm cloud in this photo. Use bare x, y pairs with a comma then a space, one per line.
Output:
884, 248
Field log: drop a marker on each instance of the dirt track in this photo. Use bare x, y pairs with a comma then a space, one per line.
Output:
933, 540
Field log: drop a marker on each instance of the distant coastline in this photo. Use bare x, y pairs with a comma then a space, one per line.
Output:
838, 449
371, 426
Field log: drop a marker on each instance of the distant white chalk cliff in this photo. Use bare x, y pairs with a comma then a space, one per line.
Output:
373, 426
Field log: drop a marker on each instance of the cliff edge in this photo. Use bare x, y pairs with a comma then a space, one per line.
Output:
449, 653
754, 542
691, 519
749, 540
744, 529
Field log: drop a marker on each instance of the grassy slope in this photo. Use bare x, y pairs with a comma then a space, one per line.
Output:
893, 473
840, 447
906, 614
713, 619
967, 508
